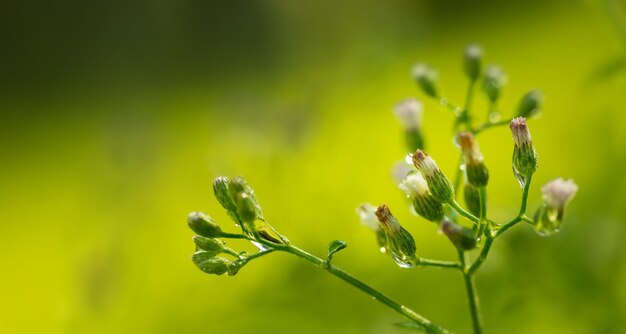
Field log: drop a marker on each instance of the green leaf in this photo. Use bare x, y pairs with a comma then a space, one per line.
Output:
334, 247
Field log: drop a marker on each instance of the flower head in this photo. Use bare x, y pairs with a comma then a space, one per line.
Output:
495, 79
556, 194
410, 113
525, 158
476, 171
400, 243
438, 183
424, 204
426, 78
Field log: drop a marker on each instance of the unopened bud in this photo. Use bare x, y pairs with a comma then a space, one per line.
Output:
209, 263
424, 204
246, 204
409, 113
475, 169
495, 79
556, 194
235, 266
530, 105
203, 224
438, 184
471, 61
210, 245
426, 78
400, 243
525, 158
461, 237
220, 189
472, 199
367, 214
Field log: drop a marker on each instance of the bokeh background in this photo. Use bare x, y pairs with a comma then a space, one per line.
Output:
115, 117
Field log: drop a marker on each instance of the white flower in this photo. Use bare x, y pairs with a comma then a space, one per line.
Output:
521, 134
367, 213
557, 193
410, 113
414, 185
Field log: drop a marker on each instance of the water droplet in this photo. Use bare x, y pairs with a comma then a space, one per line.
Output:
521, 179
261, 247
494, 117
404, 262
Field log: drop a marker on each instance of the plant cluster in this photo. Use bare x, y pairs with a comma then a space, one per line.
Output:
433, 196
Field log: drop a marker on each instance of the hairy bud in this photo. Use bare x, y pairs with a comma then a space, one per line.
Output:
210, 245
556, 195
495, 79
471, 61
530, 105
367, 214
461, 237
475, 169
472, 199
209, 263
438, 184
400, 243
203, 224
409, 113
525, 160
426, 78
424, 204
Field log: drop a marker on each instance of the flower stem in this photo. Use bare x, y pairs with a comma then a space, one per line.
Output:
420, 320
455, 205
472, 297
438, 263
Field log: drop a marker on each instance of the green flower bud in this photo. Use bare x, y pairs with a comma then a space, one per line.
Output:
409, 113
209, 263
366, 213
438, 184
400, 243
475, 170
235, 266
204, 225
222, 194
495, 79
525, 160
530, 105
244, 199
426, 78
472, 199
471, 61
461, 237
210, 245
424, 204
556, 195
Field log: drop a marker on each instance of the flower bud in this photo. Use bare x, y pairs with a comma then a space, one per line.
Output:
524, 154
472, 199
438, 184
400, 243
426, 78
220, 189
495, 79
204, 225
476, 171
368, 218
530, 105
409, 113
210, 245
235, 266
244, 199
471, 61
209, 263
461, 237
424, 204
556, 194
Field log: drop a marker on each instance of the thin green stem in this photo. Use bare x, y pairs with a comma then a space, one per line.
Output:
438, 263
259, 254
232, 236
336, 271
455, 205
472, 296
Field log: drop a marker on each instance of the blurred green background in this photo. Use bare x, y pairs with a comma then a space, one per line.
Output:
115, 117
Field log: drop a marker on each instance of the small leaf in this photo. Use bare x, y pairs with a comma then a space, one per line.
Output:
334, 247
411, 325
